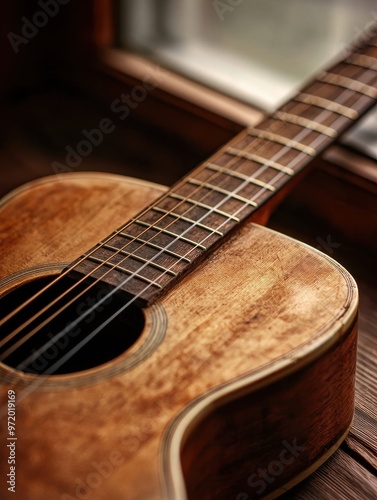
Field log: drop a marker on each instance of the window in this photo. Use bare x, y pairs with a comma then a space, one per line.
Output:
258, 51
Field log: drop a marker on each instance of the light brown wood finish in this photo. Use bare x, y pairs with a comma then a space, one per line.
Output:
290, 325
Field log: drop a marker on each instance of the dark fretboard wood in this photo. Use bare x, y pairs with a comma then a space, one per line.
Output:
149, 253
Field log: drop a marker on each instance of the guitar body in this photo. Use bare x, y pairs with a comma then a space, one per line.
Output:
240, 384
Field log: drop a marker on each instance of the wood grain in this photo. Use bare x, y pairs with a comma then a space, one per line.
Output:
341, 477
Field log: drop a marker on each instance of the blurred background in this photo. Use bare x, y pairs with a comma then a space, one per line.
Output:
259, 51
226, 64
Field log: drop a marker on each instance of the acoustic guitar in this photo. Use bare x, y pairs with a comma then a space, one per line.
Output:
190, 352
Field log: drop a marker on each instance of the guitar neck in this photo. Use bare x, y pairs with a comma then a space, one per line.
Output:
149, 253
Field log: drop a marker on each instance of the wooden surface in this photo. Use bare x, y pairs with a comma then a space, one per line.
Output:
208, 348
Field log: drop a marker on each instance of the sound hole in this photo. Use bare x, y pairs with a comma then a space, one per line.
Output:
81, 330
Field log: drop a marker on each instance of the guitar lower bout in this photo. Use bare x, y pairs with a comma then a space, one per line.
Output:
275, 433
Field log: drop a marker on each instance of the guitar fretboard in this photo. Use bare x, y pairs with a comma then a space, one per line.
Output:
152, 251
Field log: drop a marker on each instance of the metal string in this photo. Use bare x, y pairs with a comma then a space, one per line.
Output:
281, 151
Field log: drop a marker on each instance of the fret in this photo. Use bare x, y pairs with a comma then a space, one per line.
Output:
259, 159
222, 191
328, 105
123, 270
204, 205
187, 219
306, 123
239, 175
280, 139
363, 61
156, 247
348, 83
140, 259
170, 233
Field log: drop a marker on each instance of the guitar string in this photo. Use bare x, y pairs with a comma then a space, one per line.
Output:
113, 235
181, 183
262, 190
222, 200
103, 242
81, 260
15, 311
109, 238
100, 245
25, 324
346, 60
76, 348
253, 174
118, 313
88, 338
18, 309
